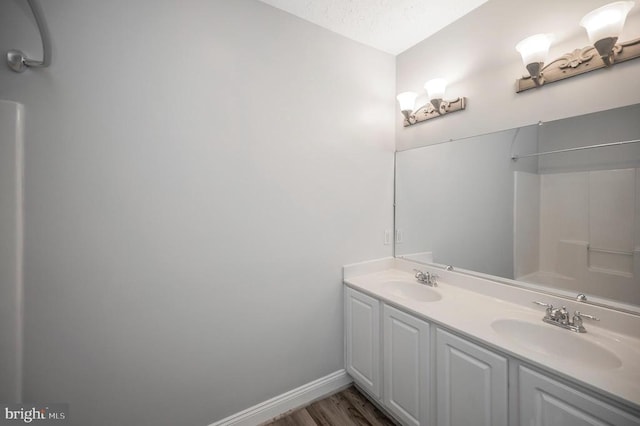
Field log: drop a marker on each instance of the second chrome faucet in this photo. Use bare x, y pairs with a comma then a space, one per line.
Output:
426, 278
561, 318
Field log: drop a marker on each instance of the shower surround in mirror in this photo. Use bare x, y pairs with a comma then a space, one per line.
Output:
567, 221
587, 223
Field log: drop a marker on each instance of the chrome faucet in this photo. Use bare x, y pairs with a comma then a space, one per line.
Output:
426, 278
561, 318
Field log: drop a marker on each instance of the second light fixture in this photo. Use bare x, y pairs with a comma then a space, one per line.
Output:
603, 25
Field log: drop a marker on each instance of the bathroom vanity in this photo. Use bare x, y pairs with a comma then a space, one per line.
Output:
473, 351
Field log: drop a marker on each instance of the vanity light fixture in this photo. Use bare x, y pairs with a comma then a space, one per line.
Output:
436, 107
534, 51
603, 25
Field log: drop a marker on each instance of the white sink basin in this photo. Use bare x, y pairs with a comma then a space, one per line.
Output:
411, 291
556, 342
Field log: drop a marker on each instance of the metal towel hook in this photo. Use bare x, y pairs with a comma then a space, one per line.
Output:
17, 60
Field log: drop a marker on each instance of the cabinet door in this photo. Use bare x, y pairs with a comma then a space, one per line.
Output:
547, 402
406, 366
362, 323
471, 384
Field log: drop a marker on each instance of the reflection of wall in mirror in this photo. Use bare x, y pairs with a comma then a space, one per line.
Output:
454, 200
619, 124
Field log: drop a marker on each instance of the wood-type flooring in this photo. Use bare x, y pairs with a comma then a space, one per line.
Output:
345, 408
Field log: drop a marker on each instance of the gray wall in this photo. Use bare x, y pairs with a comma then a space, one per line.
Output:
197, 172
477, 55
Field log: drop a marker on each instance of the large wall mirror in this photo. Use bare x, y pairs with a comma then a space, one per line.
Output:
564, 216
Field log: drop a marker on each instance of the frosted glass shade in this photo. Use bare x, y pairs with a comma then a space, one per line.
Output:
534, 49
606, 21
407, 100
435, 88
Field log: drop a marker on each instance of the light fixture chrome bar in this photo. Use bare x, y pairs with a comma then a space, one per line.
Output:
17, 60
580, 148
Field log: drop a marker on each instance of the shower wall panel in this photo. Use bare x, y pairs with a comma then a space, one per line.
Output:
11, 141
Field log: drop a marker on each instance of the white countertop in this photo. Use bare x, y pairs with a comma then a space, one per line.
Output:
471, 313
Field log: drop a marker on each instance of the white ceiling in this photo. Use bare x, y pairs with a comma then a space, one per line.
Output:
388, 25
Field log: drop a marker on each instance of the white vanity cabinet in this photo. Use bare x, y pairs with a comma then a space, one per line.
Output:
362, 334
472, 383
423, 374
406, 366
544, 401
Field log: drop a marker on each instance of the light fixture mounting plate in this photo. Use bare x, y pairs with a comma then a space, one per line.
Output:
579, 62
428, 111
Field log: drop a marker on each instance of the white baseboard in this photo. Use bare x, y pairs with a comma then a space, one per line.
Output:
291, 400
